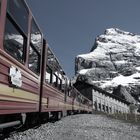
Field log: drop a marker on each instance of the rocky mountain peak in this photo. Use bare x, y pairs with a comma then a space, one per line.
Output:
113, 61
116, 31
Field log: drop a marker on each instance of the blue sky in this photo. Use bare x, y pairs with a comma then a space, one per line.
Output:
71, 26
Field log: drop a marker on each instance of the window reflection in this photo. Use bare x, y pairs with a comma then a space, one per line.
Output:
13, 41
59, 83
54, 72
48, 75
63, 84
35, 48
53, 62
50, 58
54, 80
16, 8
36, 38
34, 60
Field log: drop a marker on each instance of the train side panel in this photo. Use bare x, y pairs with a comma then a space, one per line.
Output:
19, 85
17, 99
54, 98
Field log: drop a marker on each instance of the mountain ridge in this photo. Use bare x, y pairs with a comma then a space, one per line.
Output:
113, 61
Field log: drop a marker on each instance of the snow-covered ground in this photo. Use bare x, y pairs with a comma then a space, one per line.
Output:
82, 127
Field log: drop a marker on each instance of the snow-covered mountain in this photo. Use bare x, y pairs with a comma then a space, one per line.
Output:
114, 61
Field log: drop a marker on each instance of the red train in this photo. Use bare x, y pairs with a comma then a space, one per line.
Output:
33, 85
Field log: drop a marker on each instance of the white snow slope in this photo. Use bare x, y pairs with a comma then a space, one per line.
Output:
114, 60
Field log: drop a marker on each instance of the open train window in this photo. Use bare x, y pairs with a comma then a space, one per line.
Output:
19, 12
14, 40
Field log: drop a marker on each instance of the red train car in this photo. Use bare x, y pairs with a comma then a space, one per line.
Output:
33, 84
81, 103
20, 59
55, 85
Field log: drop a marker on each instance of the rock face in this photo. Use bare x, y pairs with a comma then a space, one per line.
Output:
114, 60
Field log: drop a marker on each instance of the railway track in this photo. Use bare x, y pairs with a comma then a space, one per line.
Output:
6, 133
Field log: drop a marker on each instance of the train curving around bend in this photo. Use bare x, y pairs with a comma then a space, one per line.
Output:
33, 85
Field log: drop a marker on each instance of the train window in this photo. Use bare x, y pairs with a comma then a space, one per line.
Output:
60, 79
69, 93
50, 58
48, 77
14, 42
54, 80
34, 60
56, 66
54, 72
36, 37
52, 62
19, 12
63, 84
59, 83
35, 48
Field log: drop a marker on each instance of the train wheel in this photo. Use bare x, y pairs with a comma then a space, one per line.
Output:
64, 113
59, 115
44, 117
32, 120
56, 115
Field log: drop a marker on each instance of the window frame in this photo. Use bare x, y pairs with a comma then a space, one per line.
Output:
38, 60
33, 22
56, 71
18, 29
50, 75
34, 47
14, 17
